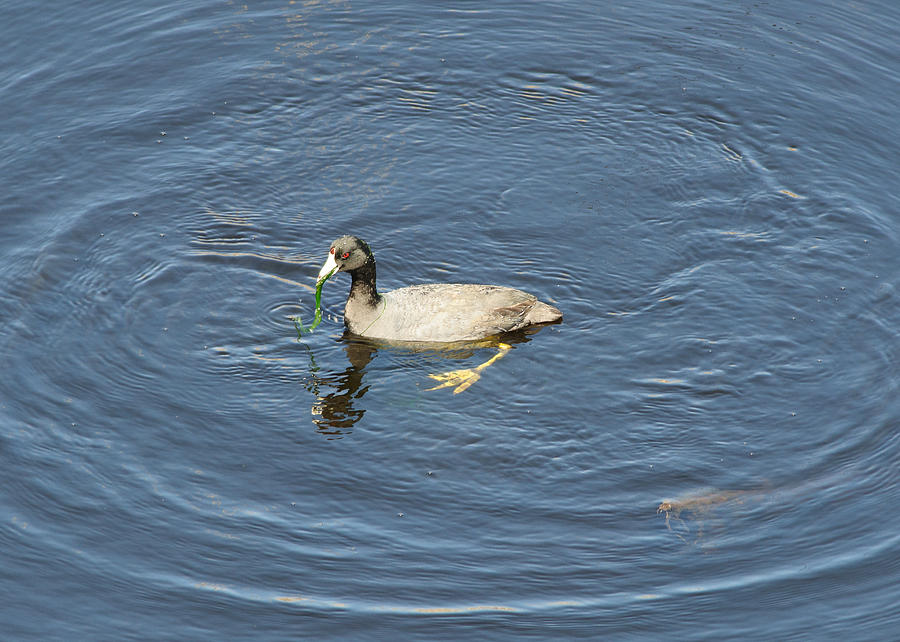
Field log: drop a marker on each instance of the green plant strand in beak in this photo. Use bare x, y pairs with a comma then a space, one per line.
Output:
298, 324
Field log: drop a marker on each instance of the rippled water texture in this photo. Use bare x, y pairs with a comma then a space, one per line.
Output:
706, 447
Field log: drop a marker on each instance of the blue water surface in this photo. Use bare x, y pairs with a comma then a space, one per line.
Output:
706, 448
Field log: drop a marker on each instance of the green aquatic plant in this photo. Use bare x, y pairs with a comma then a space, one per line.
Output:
298, 324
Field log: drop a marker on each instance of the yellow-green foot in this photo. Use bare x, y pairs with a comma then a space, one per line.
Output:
464, 378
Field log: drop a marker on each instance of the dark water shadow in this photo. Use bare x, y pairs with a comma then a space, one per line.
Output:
337, 409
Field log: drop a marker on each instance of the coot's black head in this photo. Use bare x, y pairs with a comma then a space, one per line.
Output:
347, 253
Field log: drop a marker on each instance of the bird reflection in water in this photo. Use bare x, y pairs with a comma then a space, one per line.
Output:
335, 412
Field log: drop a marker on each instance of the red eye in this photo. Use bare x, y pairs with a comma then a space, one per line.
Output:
331, 251
345, 255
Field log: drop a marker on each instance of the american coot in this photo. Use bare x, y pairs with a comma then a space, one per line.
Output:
441, 312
